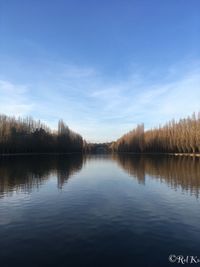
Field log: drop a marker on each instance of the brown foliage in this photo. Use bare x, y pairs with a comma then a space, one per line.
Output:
174, 137
28, 136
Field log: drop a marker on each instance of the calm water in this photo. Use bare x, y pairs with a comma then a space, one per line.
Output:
98, 211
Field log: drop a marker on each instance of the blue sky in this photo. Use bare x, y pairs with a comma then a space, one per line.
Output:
102, 66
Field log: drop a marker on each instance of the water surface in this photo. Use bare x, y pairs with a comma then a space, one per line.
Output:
103, 210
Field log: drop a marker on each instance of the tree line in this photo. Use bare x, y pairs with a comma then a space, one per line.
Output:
181, 136
26, 135
96, 148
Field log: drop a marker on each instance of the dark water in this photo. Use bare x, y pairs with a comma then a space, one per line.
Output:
98, 211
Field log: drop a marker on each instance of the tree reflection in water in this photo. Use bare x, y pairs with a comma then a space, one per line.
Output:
177, 172
23, 173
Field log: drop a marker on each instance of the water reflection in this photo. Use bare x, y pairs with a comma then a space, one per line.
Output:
177, 172
23, 173
102, 217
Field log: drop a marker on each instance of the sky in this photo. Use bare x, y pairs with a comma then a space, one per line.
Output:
103, 66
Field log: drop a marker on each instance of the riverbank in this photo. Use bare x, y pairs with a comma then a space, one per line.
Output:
35, 154
133, 153
163, 154
186, 154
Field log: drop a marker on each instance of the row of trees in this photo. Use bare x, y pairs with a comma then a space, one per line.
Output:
30, 136
182, 136
96, 148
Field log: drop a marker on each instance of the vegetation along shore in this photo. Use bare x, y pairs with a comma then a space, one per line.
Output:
26, 135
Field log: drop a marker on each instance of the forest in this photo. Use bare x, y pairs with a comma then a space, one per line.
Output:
26, 135
181, 136
31, 136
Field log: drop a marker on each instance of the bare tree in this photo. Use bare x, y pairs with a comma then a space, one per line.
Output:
174, 137
26, 135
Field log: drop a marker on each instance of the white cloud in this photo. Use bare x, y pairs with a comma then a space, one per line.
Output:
13, 99
101, 108
9, 88
72, 71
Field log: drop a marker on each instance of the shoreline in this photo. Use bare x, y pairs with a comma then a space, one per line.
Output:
187, 154
69, 153
39, 153
162, 154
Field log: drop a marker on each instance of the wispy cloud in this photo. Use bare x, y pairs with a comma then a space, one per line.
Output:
72, 71
99, 107
13, 99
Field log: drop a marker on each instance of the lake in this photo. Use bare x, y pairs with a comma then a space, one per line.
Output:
98, 210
